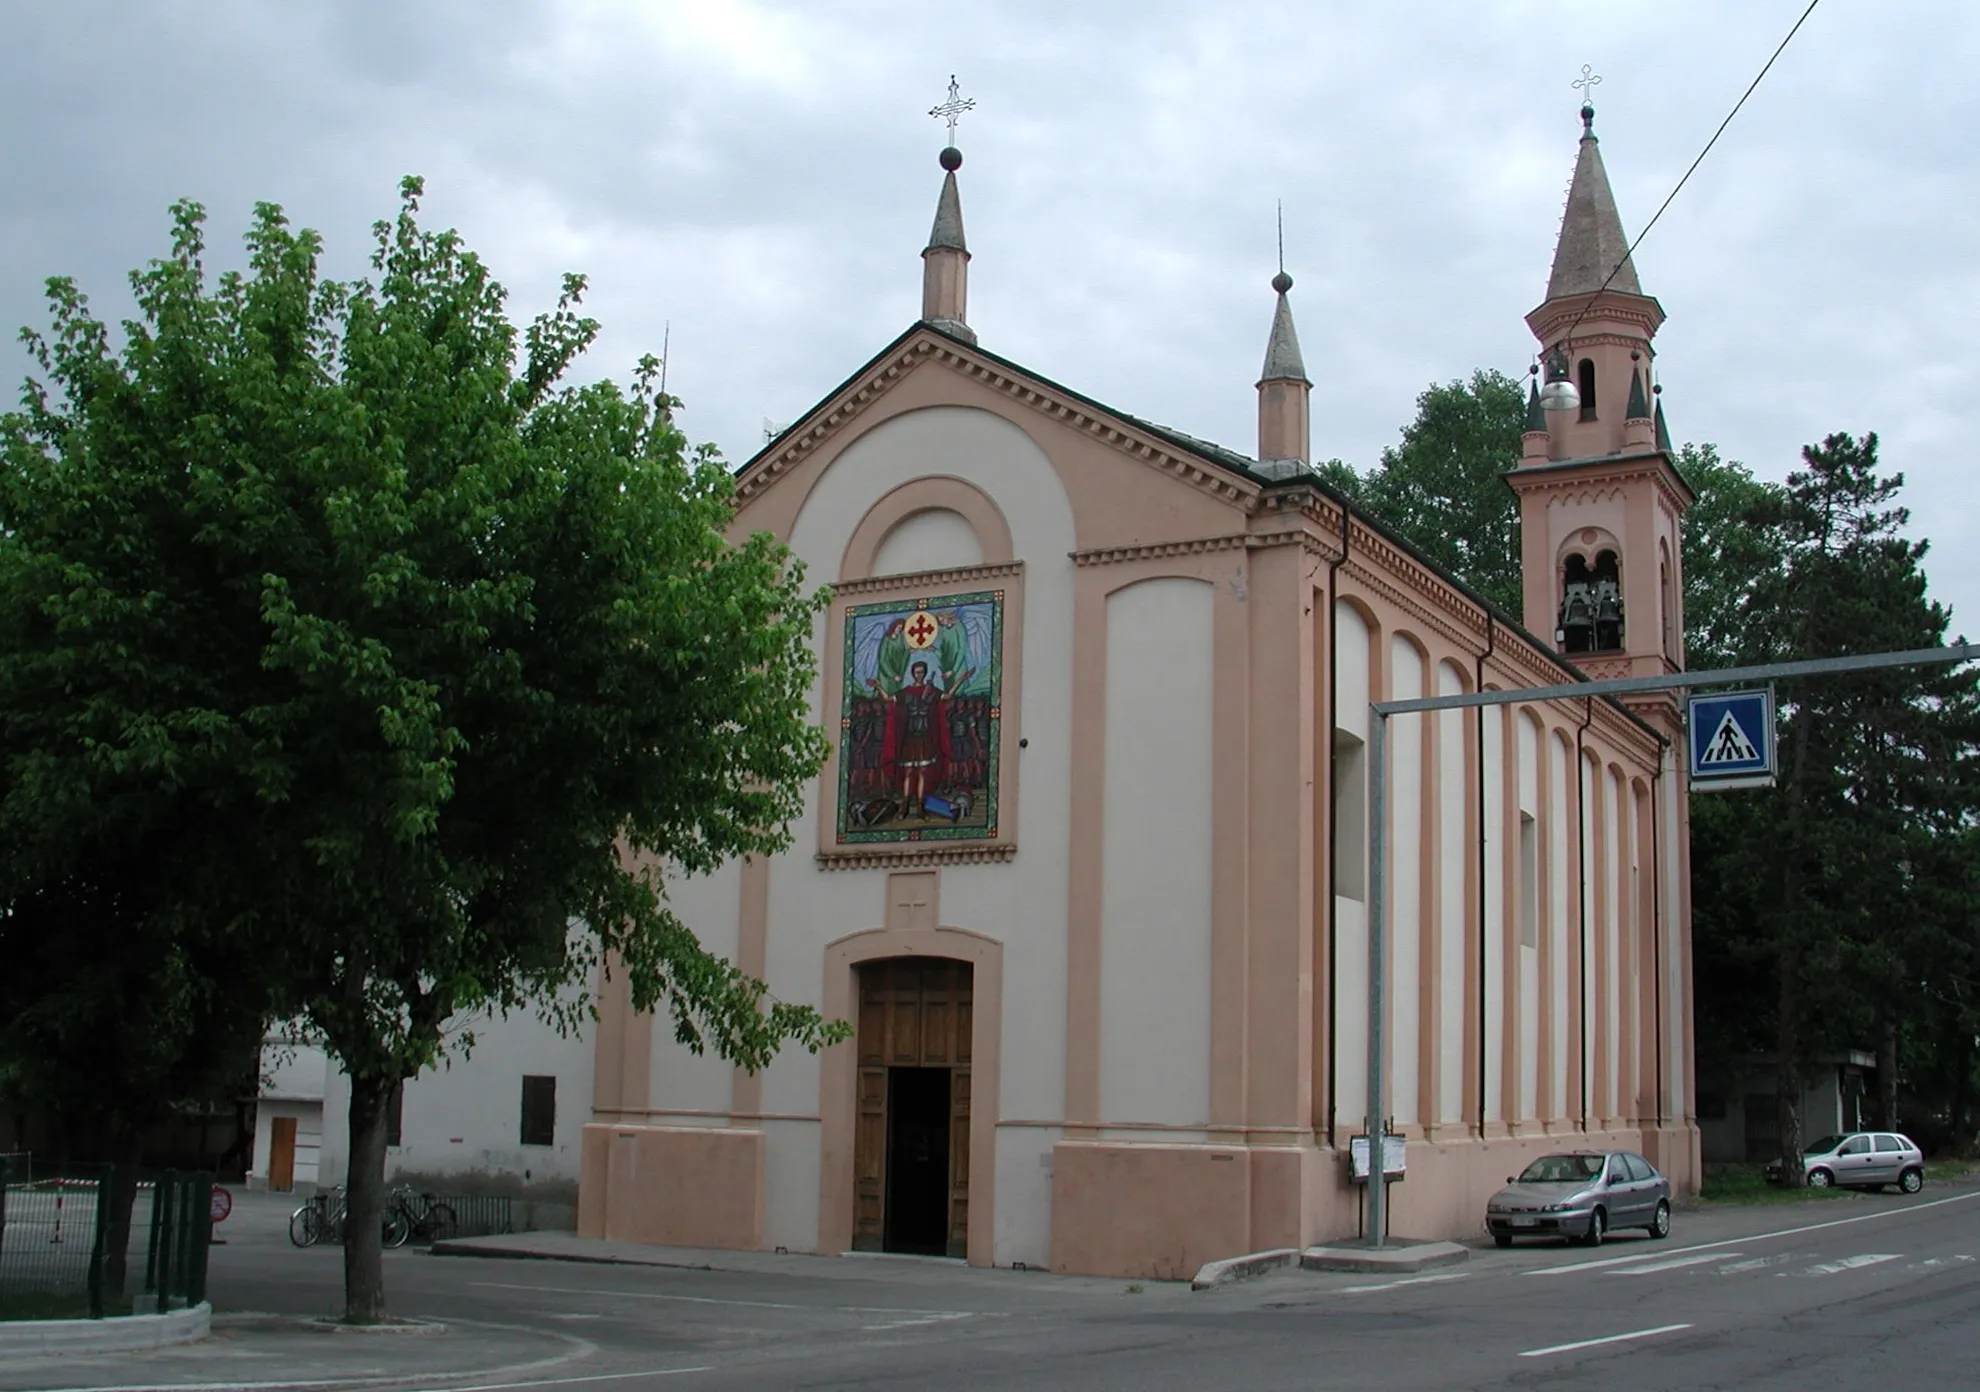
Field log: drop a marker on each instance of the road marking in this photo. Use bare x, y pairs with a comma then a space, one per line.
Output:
923, 1316
1568, 1348
645, 1295
566, 1382
1406, 1281
1758, 1263
1851, 1263
937, 1318
1756, 1237
1673, 1263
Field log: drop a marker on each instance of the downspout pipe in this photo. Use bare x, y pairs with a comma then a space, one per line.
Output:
1657, 920
1484, 937
1333, 822
1581, 899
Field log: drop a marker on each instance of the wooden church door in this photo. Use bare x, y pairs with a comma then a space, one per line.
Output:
911, 1146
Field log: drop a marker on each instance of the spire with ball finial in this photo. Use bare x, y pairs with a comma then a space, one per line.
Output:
945, 260
1284, 393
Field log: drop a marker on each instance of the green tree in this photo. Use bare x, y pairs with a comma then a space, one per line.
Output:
458, 658
1876, 765
1729, 551
1443, 489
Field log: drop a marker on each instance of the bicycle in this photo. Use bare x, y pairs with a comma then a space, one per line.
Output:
417, 1217
322, 1220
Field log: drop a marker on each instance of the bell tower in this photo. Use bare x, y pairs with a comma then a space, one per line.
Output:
1601, 501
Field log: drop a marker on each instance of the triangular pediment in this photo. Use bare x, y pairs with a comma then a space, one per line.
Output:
1224, 474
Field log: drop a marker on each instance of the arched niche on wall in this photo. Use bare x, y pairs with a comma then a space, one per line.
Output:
927, 524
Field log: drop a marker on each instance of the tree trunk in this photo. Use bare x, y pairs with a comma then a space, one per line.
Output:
1787, 1068
364, 1199
1962, 1097
1887, 1070
127, 1150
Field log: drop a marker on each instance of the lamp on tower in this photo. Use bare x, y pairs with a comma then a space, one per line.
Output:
1558, 394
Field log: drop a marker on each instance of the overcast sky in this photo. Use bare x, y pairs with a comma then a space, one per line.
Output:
763, 175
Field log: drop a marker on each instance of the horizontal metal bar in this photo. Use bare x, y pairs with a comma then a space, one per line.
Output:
1676, 681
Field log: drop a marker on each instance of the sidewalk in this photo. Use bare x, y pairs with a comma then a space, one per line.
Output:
273, 1351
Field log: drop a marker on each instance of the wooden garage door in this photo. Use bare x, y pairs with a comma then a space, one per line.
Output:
914, 1012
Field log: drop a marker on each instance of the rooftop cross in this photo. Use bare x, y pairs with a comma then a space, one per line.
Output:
952, 109
1586, 85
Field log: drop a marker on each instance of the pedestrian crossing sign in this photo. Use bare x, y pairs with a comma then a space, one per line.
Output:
1731, 737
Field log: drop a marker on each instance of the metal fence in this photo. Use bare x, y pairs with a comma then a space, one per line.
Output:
57, 1238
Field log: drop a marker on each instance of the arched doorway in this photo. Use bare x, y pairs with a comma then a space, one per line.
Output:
911, 1140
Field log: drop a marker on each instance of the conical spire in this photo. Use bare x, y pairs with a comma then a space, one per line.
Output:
1639, 406
1282, 360
1284, 395
947, 234
1663, 431
1536, 414
945, 260
1592, 240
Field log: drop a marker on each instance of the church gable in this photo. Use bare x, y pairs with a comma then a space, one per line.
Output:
1131, 483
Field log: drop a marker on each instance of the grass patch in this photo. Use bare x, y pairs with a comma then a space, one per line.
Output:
1944, 1170
43, 1305
1747, 1184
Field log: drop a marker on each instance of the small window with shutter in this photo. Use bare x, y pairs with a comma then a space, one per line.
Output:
539, 1110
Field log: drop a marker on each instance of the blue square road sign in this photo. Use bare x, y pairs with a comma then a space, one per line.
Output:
1731, 739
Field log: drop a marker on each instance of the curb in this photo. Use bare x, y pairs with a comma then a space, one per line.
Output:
1230, 1269
1414, 1256
118, 1334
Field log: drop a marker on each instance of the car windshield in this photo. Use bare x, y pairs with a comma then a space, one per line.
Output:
1823, 1146
1562, 1169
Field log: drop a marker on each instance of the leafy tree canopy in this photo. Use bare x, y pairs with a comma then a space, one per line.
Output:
433, 664
1443, 488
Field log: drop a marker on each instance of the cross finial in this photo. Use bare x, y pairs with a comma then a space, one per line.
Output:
1586, 85
952, 109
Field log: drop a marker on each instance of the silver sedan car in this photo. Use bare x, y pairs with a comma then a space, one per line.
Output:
1861, 1160
1583, 1195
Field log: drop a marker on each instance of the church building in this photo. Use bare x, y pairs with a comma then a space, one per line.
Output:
1088, 867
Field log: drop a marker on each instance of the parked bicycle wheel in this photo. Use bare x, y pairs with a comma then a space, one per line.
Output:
398, 1228
304, 1230
441, 1223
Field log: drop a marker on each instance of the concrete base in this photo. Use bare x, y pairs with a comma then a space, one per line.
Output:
121, 1334
1399, 1258
1222, 1273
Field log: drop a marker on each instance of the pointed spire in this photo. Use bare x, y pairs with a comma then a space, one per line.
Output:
1282, 360
947, 234
945, 260
1639, 408
1284, 395
1663, 432
1592, 239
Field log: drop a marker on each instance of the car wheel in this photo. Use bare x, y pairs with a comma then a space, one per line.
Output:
1660, 1221
1502, 1239
1598, 1227
1911, 1181
1820, 1179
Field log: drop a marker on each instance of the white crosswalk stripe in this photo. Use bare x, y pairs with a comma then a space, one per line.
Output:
1852, 1263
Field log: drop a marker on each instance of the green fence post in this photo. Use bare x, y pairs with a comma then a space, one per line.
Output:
99, 1240
154, 1233
202, 1237
164, 1198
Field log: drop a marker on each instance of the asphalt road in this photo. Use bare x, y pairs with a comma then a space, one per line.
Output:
1855, 1293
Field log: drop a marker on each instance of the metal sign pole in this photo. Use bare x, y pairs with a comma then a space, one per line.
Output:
1378, 995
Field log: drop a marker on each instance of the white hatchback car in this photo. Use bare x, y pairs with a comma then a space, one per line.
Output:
1861, 1160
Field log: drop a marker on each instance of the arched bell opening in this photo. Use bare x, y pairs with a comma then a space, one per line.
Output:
1591, 612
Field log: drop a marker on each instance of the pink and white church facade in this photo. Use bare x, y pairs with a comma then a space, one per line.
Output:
1088, 868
